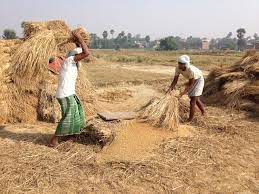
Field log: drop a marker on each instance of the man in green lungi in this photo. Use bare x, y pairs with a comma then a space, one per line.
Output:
73, 117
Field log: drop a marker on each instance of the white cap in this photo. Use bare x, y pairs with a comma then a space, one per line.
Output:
185, 59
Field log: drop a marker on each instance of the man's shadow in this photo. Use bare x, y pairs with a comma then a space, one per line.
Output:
42, 138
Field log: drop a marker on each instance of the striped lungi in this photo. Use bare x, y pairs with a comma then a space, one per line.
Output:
73, 117
197, 88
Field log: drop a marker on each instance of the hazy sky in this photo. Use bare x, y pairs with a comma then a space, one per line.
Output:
158, 18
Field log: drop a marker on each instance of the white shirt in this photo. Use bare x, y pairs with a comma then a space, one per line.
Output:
67, 78
191, 72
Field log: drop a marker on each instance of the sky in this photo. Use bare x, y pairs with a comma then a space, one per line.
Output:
157, 18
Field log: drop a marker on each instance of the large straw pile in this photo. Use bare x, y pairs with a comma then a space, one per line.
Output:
32, 28
162, 112
31, 58
31, 87
7, 48
236, 86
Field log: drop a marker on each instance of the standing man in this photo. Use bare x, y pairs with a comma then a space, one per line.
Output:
194, 87
73, 117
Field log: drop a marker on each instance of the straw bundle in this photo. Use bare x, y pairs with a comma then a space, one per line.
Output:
61, 31
32, 28
236, 84
163, 112
30, 60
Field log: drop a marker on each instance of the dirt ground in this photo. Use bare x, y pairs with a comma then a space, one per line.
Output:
215, 154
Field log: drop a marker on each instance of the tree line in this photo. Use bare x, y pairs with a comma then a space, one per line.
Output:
108, 40
230, 41
122, 40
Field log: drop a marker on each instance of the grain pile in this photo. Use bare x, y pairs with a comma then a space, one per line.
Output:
236, 86
30, 87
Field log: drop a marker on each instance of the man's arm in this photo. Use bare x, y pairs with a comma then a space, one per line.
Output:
83, 45
173, 84
188, 87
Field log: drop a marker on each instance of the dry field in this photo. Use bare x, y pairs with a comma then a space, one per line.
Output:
215, 154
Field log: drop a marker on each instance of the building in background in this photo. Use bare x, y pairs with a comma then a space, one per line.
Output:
205, 44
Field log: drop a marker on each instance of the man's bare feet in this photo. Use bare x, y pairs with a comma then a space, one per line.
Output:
189, 120
204, 114
53, 142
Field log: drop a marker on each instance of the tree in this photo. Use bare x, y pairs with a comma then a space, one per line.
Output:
256, 37
241, 43
147, 39
112, 32
193, 43
122, 40
168, 43
230, 34
213, 43
130, 40
94, 41
129, 36
9, 34
121, 35
105, 34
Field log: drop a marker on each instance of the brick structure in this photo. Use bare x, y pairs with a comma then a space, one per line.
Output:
205, 44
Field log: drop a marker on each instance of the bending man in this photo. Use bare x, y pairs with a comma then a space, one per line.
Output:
194, 87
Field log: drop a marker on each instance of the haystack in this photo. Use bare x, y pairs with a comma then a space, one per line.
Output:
7, 48
163, 112
32, 28
31, 87
236, 86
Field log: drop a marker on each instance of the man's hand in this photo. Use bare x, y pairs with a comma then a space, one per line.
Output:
169, 90
76, 35
181, 94
80, 42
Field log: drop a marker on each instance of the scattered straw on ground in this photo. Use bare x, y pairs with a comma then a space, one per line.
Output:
201, 163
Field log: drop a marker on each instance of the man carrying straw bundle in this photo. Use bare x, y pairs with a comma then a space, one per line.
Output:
194, 87
73, 117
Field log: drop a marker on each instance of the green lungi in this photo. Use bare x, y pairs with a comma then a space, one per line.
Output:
73, 116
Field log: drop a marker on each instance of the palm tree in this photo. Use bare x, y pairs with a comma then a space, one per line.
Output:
105, 34
147, 38
122, 33
241, 43
112, 32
